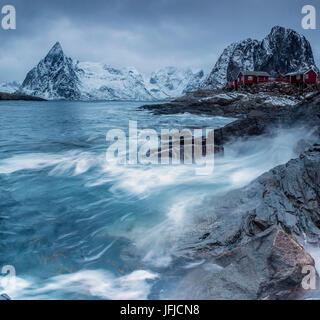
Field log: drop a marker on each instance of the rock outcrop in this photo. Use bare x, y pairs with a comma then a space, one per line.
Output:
287, 196
18, 96
59, 77
282, 51
255, 114
53, 78
252, 243
269, 266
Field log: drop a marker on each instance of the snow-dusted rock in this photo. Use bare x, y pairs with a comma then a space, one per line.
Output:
281, 52
59, 77
173, 82
53, 78
9, 87
102, 82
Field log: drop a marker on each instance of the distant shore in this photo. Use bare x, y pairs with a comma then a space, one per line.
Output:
17, 96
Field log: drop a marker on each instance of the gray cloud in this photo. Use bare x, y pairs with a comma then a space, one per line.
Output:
147, 34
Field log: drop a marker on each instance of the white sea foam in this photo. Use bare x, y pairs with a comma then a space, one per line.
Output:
243, 162
156, 242
95, 283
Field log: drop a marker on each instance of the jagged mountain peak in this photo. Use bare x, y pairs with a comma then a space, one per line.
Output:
282, 33
282, 30
53, 78
276, 29
56, 49
281, 51
55, 54
59, 77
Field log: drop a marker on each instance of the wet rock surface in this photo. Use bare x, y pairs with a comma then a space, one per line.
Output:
287, 196
254, 118
269, 266
252, 243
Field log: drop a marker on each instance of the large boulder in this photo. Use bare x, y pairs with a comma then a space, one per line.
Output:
287, 196
252, 237
267, 267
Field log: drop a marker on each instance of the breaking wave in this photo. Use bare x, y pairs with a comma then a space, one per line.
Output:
76, 227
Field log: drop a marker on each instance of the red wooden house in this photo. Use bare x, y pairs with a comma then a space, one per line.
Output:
252, 77
309, 76
295, 77
282, 78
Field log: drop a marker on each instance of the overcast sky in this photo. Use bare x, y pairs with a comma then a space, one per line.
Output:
146, 34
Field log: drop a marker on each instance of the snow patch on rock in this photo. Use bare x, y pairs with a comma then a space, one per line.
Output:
59, 77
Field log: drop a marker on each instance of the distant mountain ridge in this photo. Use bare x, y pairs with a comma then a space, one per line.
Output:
280, 52
9, 86
59, 77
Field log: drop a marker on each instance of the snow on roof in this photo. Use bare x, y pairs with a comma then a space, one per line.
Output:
255, 73
300, 72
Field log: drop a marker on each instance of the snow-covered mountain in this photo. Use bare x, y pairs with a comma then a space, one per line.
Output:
59, 77
281, 52
101, 82
173, 82
53, 78
9, 87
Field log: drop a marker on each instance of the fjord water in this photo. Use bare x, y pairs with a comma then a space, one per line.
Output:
75, 227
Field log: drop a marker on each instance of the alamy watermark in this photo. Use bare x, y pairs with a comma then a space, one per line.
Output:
169, 147
309, 281
7, 278
309, 20
8, 20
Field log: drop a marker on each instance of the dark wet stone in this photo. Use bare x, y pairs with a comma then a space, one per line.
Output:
268, 266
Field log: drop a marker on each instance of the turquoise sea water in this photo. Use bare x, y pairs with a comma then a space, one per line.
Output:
75, 227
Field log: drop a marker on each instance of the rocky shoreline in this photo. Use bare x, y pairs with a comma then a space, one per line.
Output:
253, 246
17, 96
256, 115
253, 243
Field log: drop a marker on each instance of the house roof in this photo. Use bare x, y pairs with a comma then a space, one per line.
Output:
295, 73
255, 73
300, 72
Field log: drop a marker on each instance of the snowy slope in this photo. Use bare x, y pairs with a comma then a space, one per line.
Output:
281, 52
53, 78
236, 56
102, 82
59, 77
173, 82
9, 87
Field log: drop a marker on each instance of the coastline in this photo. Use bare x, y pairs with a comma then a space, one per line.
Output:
17, 96
265, 225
